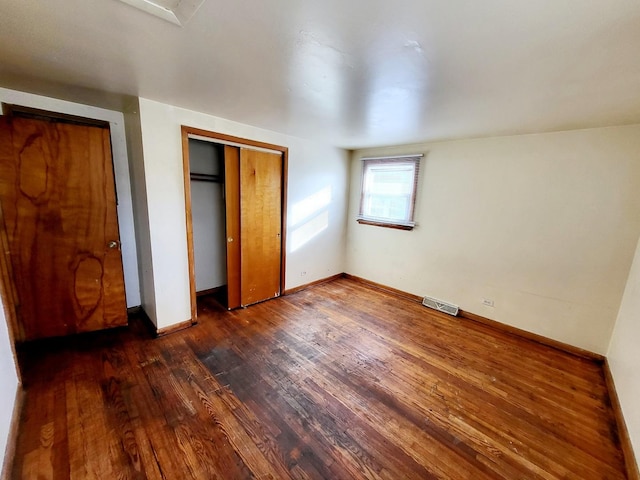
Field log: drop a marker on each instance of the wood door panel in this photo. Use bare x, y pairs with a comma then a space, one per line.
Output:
232, 206
260, 205
58, 194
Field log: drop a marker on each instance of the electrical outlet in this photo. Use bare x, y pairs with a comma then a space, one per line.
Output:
488, 302
302, 274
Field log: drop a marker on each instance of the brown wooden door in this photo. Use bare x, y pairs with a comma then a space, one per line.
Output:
260, 224
253, 198
58, 195
232, 207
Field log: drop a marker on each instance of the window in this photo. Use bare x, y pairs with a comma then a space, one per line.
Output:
389, 191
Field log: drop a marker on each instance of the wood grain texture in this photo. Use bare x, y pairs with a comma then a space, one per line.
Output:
47, 115
8, 292
230, 139
260, 225
550, 342
176, 327
283, 218
12, 438
235, 143
58, 196
565, 347
232, 212
384, 288
337, 381
299, 288
186, 175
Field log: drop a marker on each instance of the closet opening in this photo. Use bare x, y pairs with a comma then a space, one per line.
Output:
206, 175
235, 201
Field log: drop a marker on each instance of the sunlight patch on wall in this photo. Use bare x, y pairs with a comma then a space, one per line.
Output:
309, 230
309, 217
310, 205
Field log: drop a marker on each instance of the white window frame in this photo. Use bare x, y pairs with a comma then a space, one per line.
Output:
368, 164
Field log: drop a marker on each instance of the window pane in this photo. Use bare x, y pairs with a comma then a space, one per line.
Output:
388, 190
388, 206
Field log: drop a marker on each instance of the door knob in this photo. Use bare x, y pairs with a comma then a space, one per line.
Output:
229, 239
112, 244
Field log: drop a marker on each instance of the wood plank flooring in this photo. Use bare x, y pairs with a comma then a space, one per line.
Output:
338, 381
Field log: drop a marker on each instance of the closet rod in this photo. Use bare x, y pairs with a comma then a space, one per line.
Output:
203, 177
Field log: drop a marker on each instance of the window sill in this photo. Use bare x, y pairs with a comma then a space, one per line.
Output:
397, 226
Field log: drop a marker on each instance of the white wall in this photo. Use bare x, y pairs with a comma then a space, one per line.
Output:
8, 383
208, 215
140, 209
121, 168
624, 353
317, 199
544, 225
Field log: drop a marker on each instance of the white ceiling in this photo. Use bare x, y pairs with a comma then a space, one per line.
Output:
352, 72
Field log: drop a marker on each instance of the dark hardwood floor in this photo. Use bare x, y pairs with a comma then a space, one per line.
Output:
338, 381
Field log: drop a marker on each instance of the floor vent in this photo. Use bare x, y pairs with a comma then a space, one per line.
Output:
440, 305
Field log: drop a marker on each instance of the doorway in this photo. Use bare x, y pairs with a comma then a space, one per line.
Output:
235, 198
57, 190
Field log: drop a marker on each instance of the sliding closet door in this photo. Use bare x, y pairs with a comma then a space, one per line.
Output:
255, 196
232, 205
253, 199
260, 224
